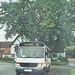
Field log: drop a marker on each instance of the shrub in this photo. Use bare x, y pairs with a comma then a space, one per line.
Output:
7, 59
70, 51
64, 59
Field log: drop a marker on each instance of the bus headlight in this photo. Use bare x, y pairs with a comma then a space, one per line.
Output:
39, 66
18, 65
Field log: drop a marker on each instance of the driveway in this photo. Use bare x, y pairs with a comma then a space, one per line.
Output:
71, 62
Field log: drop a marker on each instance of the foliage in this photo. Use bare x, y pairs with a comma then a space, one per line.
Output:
56, 24
14, 15
73, 40
71, 13
64, 59
46, 20
71, 10
70, 47
72, 72
70, 50
6, 59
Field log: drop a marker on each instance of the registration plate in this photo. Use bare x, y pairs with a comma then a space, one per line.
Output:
27, 70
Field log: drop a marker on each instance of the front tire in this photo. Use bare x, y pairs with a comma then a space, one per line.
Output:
48, 69
45, 72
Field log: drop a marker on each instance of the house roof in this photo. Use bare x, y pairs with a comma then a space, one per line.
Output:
14, 41
5, 44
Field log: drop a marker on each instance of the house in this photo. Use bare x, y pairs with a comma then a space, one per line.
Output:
56, 54
5, 49
16, 42
59, 50
1, 52
7, 53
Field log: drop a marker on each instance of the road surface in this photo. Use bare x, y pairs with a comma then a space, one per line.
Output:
60, 70
9, 69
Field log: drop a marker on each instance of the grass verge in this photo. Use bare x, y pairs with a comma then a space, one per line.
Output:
7, 61
58, 63
72, 72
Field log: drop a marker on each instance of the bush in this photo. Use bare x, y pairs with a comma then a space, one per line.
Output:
70, 51
64, 59
7, 59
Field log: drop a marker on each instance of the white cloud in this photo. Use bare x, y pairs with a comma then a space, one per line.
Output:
2, 35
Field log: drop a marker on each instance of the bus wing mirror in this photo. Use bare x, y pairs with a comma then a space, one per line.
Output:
46, 53
16, 49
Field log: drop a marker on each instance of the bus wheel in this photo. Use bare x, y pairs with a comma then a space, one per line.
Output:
17, 73
45, 72
48, 69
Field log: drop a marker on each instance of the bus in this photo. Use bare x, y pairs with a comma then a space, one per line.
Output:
33, 57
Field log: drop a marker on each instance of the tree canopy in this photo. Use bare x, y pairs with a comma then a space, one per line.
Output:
47, 20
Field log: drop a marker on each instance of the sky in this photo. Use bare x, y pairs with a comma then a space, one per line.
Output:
2, 36
7, 0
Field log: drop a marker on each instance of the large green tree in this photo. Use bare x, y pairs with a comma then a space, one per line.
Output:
56, 23
71, 10
46, 20
15, 17
22, 18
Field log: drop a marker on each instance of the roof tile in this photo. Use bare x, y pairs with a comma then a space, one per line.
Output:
5, 44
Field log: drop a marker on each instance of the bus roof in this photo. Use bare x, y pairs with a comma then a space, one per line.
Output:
32, 43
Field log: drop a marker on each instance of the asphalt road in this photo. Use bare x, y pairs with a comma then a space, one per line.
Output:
9, 69
60, 70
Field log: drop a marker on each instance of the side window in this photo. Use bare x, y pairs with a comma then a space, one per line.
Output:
54, 55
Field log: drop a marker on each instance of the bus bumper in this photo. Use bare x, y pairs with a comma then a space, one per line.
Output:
34, 71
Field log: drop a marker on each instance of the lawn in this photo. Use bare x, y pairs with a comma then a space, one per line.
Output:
72, 72
58, 63
7, 61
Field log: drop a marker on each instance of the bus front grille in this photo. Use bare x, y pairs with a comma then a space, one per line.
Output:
28, 64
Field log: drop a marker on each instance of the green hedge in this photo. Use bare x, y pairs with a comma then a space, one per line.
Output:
63, 59
70, 51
